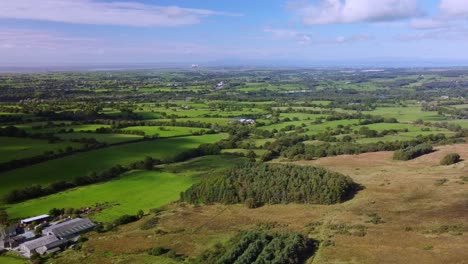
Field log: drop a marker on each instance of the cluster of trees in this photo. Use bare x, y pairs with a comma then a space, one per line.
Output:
450, 159
202, 150
412, 152
259, 247
291, 147
19, 195
107, 130
258, 184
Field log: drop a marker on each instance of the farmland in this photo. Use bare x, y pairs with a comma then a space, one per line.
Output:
174, 168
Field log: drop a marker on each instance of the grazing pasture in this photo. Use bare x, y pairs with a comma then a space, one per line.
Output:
105, 138
81, 164
165, 131
19, 148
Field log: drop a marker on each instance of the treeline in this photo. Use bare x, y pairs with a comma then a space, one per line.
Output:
260, 247
412, 152
292, 147
257, 184
36, 191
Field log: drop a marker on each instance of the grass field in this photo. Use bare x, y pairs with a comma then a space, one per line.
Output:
81, 164
76, 128
165, 131
12, 260
105, 138
154, 189
19, 148
406, 114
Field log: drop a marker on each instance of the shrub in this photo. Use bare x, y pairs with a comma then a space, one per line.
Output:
410, 153
450, 159
158, 251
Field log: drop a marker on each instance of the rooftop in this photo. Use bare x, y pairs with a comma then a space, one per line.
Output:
70, 227
35, 218
36, 243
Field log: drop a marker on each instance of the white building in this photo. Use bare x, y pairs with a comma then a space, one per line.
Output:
28, 248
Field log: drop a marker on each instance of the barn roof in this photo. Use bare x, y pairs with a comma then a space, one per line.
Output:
70, 227
35, 218
37, 243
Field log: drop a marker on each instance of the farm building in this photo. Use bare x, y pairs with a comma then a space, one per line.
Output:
247, 121
28, 248
52, 247
38, 218
70, 228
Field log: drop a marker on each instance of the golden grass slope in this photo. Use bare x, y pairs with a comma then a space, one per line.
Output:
405, 214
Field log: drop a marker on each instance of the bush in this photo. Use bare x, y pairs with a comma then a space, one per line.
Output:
450, 159
150, 223
158, 251
410, 153
125, 219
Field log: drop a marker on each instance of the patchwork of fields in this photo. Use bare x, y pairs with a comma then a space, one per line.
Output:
174, 143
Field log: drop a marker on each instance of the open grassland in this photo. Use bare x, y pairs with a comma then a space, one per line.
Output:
12, 260
105, 138
133, 191
76, 128
165, 131
19, 148
81, 164
406, 114
403, 215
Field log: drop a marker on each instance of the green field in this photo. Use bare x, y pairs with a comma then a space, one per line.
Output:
406, 114
154, 189
19, 148
81, 164
12, 260
165, 131
105, 138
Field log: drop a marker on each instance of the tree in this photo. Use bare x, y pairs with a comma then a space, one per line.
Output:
3, 217
148, 163
140, 213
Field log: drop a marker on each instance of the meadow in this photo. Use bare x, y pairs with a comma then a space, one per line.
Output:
154, 188
81, 164
105, 138
165, 131
20, 148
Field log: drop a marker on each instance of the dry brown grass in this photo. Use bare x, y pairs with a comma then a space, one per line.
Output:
403, 194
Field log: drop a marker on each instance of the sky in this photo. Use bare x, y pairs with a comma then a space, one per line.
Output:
79, 32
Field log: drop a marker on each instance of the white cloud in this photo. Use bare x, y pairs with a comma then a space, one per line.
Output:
299, 37
40, 40
429, 23
452, 8
355, 11
451, 15
104, 13
353, 38
307, 39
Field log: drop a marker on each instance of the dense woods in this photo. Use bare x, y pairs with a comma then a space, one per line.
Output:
257, 184
260, 247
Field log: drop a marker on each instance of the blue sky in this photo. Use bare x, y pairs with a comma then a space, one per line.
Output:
65, 32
